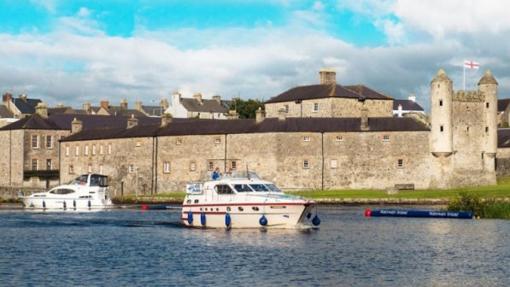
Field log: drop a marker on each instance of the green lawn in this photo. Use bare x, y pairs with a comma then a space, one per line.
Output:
502, 189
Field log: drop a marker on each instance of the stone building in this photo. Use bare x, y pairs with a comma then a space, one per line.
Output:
198, 107
365, 151
329, 99
21, 106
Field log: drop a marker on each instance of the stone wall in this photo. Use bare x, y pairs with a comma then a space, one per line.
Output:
331, 107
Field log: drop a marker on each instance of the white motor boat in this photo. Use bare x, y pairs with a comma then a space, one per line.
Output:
245, 202
88, 191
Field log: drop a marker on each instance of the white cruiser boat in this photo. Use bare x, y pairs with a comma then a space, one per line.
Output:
88, 191
245, 202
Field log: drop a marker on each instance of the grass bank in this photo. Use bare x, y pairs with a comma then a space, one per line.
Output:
167, 197
481, 207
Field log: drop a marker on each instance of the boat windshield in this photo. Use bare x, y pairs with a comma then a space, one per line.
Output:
242, 188
81, 180
273, 188
98, 180
259, 187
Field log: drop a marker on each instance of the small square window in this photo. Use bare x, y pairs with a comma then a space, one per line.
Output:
77, 151
334, 164
48, 164
400, 163
101, 149
178, 141
192, 166
386, 138
210, 166
339, 138
138, 144
35, 141
441, 128
306, 138
35, 164
306, 164
71, 169
440, 103
67, 150
101, 169
217, 140
166, 167
233, 165
131, 168
315, 107
486, 129
86, 150
93, 149
487, 105
49, 142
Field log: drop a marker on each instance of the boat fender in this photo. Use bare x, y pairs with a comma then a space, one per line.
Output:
190, 217
89, 204
316, 220
202, 218
43, 204
65, 205
263, 220
228, 220
74, 204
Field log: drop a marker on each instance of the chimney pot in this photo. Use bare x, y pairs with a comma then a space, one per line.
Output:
124, 104
7, 97
217, 98
327, 76
105, 105
166, 119
260, 115
42, 110
132, 122
198, 97
76, 126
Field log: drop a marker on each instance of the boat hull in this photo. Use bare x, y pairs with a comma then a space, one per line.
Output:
277, 215
65, 203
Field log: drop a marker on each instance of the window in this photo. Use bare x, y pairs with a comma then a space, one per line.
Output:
286, 108
486, 129
67, 150
223, 189
233, 165
101, 149
35, 141
487, 105
386, 138
86, 150
49, 142
315, 107
441, 128
259, 187
109, 148
242, 188
467, 129
93, 149
131, 168
89, 169
138, 144
334, 163
339, 138
192, 166
48, 164
400, 163
166, 167
71, 169
217, 140
306, 138
306, 164
101, 169
440, 103
210, 166
178, 141
77, 151
34, 164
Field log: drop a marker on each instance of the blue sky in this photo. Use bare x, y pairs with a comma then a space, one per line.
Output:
76, 51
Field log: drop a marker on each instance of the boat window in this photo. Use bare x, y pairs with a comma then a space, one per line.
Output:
242, 188
273, 187
62, 191
223, 189
259, 187
82, 180
97, 180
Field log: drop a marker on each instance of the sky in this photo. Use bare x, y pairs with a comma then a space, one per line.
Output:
72, 52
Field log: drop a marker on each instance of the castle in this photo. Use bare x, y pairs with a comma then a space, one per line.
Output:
325, 136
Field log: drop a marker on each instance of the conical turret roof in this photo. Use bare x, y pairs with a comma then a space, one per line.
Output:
441, 76
488, 79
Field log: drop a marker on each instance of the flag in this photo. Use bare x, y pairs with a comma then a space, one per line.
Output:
471, 65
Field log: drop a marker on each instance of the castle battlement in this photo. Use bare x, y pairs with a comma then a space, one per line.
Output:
468, 96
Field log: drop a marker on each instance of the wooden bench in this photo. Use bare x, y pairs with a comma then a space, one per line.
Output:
404, 186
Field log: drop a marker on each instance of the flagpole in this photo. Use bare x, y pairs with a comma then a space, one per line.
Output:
464, 77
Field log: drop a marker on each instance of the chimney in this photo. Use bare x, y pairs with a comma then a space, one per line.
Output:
399, 110
124, 104
217, 98
364, 120
164, 104
105, 105
7, 97
327, 76
138, 106
232, 115
132, 122
76, 126
42, 110
412, 97
281, 114
198, 97
87, 107
166, 119
260, 115
23, 97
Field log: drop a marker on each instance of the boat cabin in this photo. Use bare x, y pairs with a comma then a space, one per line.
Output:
92, 179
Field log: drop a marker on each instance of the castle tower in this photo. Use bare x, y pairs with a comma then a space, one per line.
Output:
441, 96
488, 86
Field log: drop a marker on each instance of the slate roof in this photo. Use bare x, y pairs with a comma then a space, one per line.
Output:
26, 106
504, 138
503, 104
154, 110
118, 111
5, 113
237, 126
325, 91
207, 105
407, 105
63, 122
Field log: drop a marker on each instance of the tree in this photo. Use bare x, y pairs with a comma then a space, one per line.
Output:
246, 108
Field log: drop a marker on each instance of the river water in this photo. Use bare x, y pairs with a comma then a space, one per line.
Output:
135, 248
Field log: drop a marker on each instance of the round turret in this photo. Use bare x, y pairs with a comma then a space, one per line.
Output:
441, 96
488, 86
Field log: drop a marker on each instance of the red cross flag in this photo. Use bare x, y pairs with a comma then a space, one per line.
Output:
471, 65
